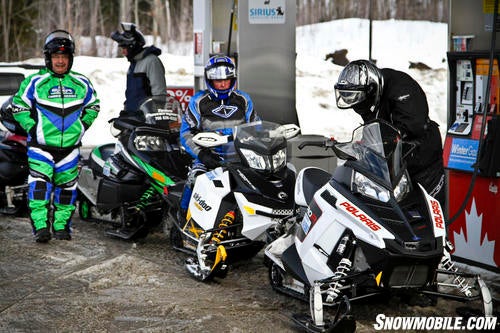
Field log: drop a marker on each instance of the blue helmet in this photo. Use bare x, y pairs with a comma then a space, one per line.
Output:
220, 67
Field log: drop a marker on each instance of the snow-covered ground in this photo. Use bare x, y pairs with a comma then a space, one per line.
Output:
395, 44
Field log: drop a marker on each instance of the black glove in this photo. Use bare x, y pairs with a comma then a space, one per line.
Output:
207, 157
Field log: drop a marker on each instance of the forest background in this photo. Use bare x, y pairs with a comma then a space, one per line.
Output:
25, 23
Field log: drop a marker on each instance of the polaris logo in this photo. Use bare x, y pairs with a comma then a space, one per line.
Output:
438, 216
200, 203
351, 209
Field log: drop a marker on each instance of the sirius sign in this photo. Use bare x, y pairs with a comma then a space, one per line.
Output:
266, 11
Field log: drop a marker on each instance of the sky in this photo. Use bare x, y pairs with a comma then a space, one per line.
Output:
395, 43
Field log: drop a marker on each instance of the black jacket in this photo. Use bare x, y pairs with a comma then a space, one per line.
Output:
404, 104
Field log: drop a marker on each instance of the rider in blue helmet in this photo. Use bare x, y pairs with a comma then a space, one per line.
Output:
218, 108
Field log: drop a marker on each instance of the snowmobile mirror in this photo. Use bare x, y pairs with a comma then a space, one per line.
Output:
210, 139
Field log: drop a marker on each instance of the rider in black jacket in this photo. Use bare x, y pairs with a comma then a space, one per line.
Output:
397, 98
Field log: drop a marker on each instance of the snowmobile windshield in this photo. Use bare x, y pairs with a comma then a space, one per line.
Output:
377, 148
161, 112
161, 116
261, 145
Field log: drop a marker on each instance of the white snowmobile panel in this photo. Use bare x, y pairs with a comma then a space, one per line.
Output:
207, 197
317, 246
435, 211
255, 225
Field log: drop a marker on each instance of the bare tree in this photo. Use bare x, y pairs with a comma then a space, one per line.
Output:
6, 7
24, 24
94, 7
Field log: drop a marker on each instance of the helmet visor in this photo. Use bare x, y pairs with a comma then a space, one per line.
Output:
128, 26
220, 72
123, 40
58, 35
348, 98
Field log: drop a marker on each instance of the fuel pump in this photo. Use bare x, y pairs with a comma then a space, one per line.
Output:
472, 144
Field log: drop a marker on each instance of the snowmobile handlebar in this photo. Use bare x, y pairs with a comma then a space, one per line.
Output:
152, 131
328, 143
125, 123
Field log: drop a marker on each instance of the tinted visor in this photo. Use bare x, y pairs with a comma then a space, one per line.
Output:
348, 98
352, 86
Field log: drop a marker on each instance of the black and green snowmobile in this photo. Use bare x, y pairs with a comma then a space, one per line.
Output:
122, 183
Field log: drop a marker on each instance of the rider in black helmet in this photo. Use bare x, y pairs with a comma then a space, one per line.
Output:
146, 74
55, 107
59, 42
396, 97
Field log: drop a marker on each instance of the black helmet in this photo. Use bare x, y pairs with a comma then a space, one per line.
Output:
131, 39
220, 67
58, 41
359, 86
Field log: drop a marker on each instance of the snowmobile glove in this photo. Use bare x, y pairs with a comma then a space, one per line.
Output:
209, 158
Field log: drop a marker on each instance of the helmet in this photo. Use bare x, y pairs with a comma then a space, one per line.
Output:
131, 39
359, 86
220, 67
58, 41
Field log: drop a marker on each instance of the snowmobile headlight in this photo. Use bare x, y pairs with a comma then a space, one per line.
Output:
279, 159
254, 160
402, 188
367, 187
149, 143
263, 162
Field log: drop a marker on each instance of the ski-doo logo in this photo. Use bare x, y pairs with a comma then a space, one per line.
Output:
438, 217
200, 203
360, 216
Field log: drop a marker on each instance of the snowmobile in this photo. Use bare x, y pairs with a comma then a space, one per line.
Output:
123, 183
14, 168
234, 208
366, 230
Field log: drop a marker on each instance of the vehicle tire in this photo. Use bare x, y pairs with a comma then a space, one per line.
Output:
84, 208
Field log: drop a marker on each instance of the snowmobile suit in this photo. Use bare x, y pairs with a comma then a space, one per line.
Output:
145, 78
208, 114
404, 104
55, 110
